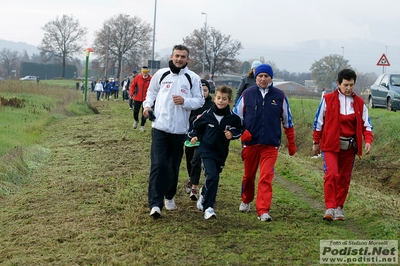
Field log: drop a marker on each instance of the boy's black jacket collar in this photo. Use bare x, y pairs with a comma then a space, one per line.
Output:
225, 111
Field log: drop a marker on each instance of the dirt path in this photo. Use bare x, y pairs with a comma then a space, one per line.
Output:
303, 195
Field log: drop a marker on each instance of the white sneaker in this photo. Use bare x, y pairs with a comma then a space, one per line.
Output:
329, 214
338, 214
142, 128
209, 213
200, 202
265, 217
244, 207
135, 124
155, 212
170, 204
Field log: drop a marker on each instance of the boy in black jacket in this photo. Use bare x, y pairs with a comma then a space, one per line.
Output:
193, 160
215, 128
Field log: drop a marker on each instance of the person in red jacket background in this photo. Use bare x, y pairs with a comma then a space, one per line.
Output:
340, 124
138, 91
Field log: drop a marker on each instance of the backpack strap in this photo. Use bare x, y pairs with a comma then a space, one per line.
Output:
189, 79
167, 73
163, 76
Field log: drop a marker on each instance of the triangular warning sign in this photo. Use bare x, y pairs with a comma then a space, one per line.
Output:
383, 61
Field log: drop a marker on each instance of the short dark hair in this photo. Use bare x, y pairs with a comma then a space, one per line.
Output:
205, 83
180, 47
224, 89
347, 74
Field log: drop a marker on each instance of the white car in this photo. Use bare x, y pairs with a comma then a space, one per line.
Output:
28, 78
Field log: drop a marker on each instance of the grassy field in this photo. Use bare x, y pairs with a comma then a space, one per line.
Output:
76, 192
69, 83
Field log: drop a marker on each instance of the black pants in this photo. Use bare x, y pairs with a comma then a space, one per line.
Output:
108, 95
166, 156
136, 109
125, 95
212, 169
116, 94
193, 164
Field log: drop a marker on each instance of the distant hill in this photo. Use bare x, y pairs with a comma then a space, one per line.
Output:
19, 46
296, 57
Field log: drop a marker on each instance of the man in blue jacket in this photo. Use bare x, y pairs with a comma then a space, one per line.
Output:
264, 109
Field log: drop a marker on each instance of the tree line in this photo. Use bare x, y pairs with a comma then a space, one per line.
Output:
123, 43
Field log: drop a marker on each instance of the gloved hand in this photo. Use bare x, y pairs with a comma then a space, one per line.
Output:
292, 148
289, 132
246, 136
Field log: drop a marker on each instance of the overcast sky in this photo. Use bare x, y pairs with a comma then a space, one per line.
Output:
272, 24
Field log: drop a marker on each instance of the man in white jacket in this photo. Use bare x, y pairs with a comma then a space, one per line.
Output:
173, 92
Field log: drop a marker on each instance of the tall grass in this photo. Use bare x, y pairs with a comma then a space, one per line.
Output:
26, 110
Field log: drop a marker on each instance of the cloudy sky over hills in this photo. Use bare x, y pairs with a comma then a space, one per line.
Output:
293, 34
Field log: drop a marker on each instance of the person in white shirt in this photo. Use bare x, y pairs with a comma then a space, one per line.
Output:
125, 92
98, 88
175, 91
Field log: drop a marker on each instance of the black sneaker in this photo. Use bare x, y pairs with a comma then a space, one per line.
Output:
193, 194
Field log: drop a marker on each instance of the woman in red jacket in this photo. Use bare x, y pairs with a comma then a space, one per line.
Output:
340, 124
138, 91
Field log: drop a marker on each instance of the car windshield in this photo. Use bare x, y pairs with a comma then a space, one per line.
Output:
395, 80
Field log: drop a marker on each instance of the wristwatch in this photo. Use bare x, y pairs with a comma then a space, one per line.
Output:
315, 143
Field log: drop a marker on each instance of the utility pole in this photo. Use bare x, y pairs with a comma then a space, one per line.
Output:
108, 43
384, 69
204, 37
154, 37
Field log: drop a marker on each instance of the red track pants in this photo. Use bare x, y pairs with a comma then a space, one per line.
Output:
337, 167
265, 156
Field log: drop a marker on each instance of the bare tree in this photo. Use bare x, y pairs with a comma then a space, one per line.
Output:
364, 81
220, 55
9, 60
325, 70
164, 61
63, 38
124, 41
245, 67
